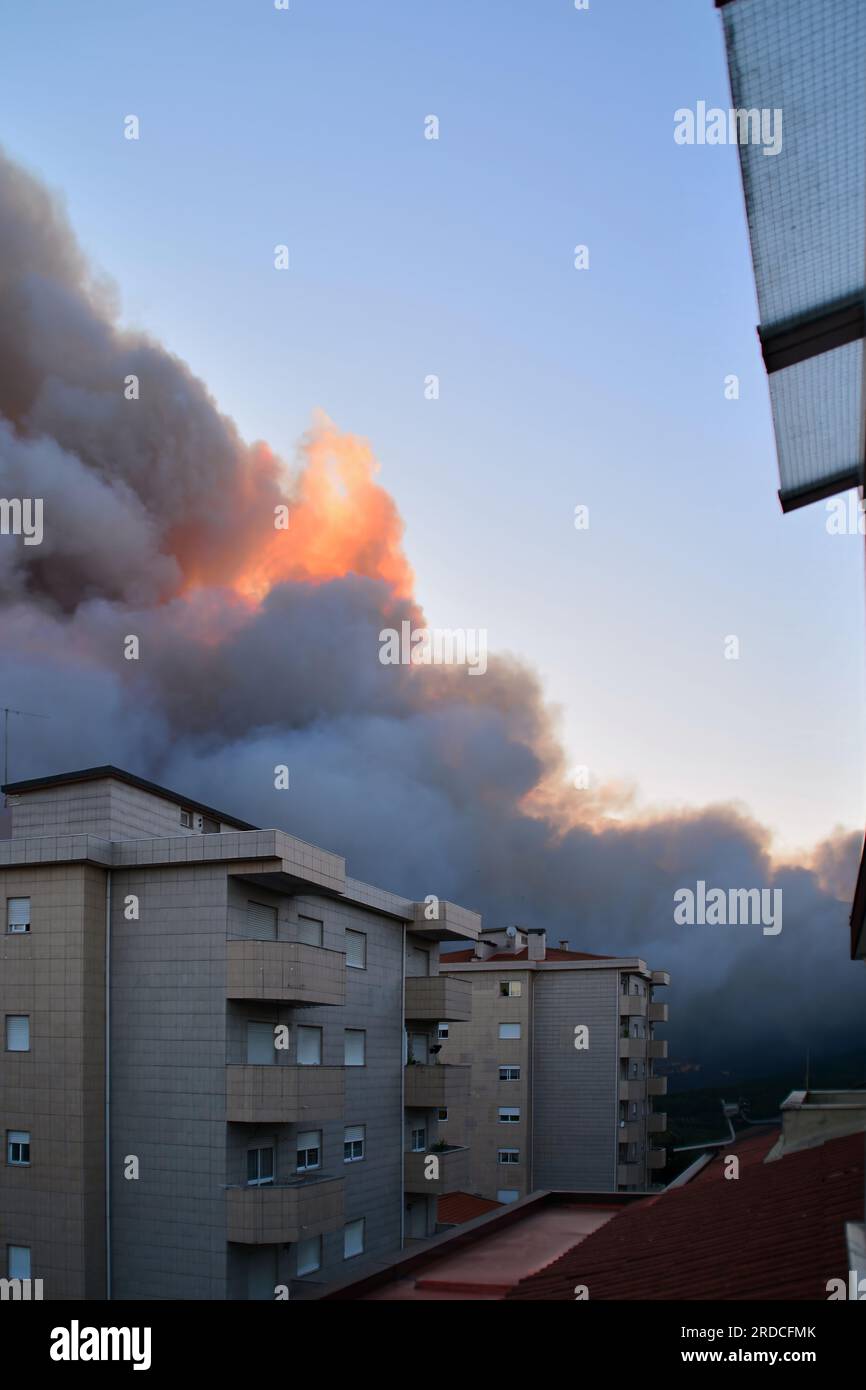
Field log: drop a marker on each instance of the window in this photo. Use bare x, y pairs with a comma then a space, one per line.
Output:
260, 1043
509, 1030
356, 950
260, 1166
209, 826
186, 817
309, 1044
17, 914
508, 1114
442, 1031
511, 989
507, 1155
19, 1261
419, 1140
355, 1047
309, 1255
417, 961
353, 1239
509, 1073
310, 931
309, 1150
419, 1044
442, 1115
508, 1194
17, 1033
353, 1143
262, 921
18, 1146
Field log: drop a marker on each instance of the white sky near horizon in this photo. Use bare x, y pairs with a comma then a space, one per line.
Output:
559, 387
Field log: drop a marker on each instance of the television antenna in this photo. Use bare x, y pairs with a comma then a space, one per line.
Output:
27, 714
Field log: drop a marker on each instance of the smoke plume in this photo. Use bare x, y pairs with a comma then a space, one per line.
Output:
260, 646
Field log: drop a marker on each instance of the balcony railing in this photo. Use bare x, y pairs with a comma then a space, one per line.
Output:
629, 1175
633, 1089
657, 1158
438, 999
261, 1095
631, 1004
658, 1013
430, 1087
281, 1212
632, 1047
449, 1173
629, 1132
287, 972
658, 1047
657, 1086
657, 1123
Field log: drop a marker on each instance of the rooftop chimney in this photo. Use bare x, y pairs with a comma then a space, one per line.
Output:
563, 945
812, 1117
536, 945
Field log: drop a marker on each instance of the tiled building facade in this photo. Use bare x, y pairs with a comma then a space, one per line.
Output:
252, 1129
561, 1047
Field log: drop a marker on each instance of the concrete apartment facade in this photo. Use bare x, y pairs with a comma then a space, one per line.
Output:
216, 1079
552, 1106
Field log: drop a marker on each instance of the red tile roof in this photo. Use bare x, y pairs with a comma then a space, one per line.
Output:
553, 953
457, 1207
776, 1232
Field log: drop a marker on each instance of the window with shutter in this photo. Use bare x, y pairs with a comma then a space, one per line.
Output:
17, 1033
261, 921
310, 931
309, 1145
353, 1239
18, 914
353, 1143
356, 950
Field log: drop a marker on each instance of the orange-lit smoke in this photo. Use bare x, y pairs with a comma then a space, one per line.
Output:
341, 521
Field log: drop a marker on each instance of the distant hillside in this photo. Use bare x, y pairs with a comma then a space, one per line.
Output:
695, 1112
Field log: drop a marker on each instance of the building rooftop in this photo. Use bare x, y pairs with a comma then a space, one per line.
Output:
552, 953
775, 1232
456, 1207
118, 774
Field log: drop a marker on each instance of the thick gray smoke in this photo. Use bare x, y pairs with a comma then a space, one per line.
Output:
155, 511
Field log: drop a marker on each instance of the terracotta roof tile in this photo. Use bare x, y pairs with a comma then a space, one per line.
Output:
776, 1232
457, 1207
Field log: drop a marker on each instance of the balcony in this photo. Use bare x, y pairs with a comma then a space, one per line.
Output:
658, 1013
629, 1132
658, 1047
438, 999
657, 1123
660, 977
657, 1086
264, 1095
444, 921
631, 1004
629, 1175
657, 1158
632, 1047
283, 1212
431, 1087
285, 972
632, 1090
453, 1171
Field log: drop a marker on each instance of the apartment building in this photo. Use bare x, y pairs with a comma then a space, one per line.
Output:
206, 1089
561, 1046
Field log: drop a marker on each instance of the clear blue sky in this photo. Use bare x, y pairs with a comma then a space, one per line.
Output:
558, 387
